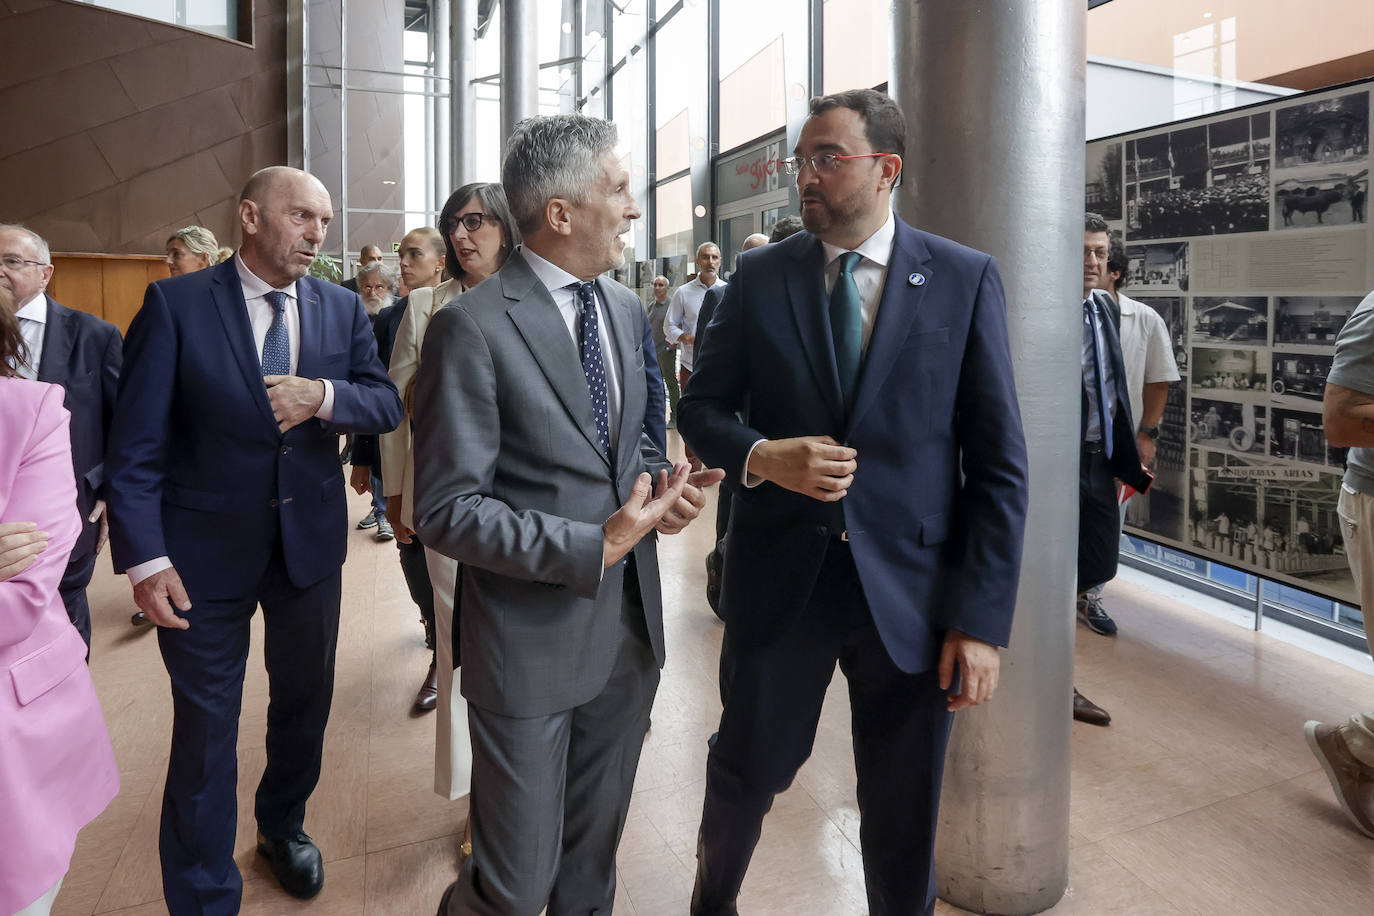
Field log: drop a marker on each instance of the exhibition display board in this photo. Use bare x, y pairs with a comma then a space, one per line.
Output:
1247, 232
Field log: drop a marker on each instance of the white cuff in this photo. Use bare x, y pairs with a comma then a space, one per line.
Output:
143, 571
326, 411
751, 480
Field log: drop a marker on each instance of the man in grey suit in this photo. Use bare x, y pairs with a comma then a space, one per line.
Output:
532, 470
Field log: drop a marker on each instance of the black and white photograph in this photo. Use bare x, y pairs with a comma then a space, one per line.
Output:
1299, 376
1223, 373
1311, 320
1298, 435
1231, 319
1205, 180
1227, 425
1157, 268
1104, 179
1329, 130
1321, 197
1273, 516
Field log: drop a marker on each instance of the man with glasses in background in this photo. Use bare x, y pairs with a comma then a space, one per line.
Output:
82, 354
882, 499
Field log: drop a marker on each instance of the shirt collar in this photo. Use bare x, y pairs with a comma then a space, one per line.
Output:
1128, 305
550, 274
876, 248
35, 309
254, 287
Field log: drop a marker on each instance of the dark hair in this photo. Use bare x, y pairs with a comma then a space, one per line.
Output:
493, 198
1116, 260
1094, 223
788, 225
12, 348
884, 124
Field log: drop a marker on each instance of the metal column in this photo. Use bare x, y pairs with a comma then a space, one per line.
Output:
440, 43
994, 100
519, 64
462, 100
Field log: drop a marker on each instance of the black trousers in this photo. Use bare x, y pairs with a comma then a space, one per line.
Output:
1099, 520
206, 663
900, 729
72, 588
416, 573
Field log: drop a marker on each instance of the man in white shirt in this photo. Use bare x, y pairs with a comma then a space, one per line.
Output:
680, 325
1148, 356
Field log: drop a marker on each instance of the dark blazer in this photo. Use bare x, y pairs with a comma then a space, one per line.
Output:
384, 327
937, 509
198, 471
351, 284
709, 302
1125, 460
655, 421
83, 354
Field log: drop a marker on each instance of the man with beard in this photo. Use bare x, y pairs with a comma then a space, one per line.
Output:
377, 289
881, 474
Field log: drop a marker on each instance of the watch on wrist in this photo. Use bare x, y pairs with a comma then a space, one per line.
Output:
1151, 431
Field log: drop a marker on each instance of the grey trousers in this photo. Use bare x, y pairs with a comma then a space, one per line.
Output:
550, 794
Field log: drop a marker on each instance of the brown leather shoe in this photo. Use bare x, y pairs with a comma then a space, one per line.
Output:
1085, 710
428, 697
1351, 780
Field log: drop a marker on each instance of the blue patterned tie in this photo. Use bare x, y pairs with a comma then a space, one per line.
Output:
593, 367
276, 347
846, 324
1091, 316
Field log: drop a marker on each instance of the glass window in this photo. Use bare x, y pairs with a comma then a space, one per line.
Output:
858, 44
679, 73
630, 113
218, 17
753, 98
673, 218
628, 26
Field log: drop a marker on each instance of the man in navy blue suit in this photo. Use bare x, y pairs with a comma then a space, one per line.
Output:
879, 508
224, 465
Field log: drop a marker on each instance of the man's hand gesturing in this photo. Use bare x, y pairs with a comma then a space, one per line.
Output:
692, 501
640, 514
814, 466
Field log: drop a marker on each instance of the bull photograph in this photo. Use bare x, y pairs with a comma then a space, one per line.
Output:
1325, 131
1231, 319
1321, 197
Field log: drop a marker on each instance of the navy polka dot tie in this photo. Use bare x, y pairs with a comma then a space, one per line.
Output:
593, 367
276, 347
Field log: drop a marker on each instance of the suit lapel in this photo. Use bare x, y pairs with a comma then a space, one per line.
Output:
57, 345
896, 312
806, 291
227, 293
627, 332
537, 319
311, 330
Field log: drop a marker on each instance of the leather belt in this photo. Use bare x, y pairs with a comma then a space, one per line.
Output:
1092, 448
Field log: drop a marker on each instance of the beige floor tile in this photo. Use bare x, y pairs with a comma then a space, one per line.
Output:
100, 845
342, 895
409, 880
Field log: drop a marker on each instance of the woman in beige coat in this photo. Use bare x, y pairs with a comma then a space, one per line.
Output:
479, 235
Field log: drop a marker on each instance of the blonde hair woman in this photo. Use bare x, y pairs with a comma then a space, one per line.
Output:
191, 249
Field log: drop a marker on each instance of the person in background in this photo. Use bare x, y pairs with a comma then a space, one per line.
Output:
377, 289
57, 768
369, 254
665, 352
192, 248
680, 325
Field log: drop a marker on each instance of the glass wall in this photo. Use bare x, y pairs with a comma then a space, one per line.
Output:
857, 36
218, 17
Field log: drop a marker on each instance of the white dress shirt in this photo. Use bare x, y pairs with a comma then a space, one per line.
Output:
557, 281
33, 325
260, 311
681, 319
869, 276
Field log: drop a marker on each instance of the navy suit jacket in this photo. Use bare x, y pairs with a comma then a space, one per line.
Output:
83, 355
384, 327
198, 471
937, 508
655, 421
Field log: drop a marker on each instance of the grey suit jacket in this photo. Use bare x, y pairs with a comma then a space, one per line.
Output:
511, 481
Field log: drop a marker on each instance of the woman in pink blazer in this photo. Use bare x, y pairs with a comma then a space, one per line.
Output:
57, 769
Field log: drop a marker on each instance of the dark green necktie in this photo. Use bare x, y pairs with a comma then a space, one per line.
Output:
846, 324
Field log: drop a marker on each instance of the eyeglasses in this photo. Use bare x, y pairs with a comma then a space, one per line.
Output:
10, 262
472, 221
825, 163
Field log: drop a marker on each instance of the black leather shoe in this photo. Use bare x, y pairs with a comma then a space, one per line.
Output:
296, 862
428, 697
1085, 710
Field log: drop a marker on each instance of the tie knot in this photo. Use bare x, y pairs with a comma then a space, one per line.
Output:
849, 260
586, 294
275, 298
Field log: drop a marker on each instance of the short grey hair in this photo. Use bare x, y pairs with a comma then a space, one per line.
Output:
704, 245
377, 267
44, 254
553, 156
198, 240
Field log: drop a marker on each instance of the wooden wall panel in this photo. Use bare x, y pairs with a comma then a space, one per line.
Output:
78, 284
125, 282
107, 286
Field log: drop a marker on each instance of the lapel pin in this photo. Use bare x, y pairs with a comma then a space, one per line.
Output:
916, 279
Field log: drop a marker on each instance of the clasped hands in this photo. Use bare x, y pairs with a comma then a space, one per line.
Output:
677, 500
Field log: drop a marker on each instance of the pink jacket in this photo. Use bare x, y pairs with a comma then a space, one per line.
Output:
57, 769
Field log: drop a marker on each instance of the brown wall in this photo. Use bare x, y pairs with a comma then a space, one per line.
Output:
107, 286
118, 131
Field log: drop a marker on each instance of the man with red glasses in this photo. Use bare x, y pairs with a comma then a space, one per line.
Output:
881, 498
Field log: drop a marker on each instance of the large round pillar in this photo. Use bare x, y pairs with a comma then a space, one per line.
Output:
462, 99
519, 64
994, 100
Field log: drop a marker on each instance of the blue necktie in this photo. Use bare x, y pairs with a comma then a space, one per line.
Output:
276, 347
1091, 317
846, 324
592, 365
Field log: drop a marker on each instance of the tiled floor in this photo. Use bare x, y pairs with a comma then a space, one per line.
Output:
1200, 798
